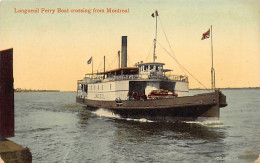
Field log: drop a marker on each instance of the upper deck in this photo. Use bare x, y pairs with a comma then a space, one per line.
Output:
143, 71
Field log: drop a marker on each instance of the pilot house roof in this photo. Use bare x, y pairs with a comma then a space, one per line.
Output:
151, 63
122, 70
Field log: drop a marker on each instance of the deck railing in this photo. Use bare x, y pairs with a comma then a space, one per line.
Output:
139, 77
178, 77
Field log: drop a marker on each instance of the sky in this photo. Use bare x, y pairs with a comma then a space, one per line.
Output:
51, 50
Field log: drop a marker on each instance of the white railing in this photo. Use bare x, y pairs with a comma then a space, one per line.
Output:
123, 77
140, 77
178, 77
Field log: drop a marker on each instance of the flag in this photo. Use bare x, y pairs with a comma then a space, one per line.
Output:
90, 60
155, 13
205, 35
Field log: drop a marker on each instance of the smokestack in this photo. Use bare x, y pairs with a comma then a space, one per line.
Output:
124, 52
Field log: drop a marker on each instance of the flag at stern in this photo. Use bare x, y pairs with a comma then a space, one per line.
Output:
206, 35
90, 60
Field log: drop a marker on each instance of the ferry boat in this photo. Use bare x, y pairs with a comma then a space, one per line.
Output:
146, 91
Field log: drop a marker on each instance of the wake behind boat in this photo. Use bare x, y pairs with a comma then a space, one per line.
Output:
146, 91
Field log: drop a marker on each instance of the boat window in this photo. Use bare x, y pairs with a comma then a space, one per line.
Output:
160, 68
151, 67
86, 88
157, 68
145, 67
81, 86
102, 86
110, 86
98, 87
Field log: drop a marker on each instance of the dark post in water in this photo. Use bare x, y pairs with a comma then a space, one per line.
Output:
6, 94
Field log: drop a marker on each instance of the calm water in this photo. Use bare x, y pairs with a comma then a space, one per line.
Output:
56, 129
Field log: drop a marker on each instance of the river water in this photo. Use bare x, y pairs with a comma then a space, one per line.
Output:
56, 129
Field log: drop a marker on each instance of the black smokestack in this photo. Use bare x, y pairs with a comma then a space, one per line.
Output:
124, 52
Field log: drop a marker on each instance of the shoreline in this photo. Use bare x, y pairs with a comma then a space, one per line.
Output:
189, 89
226, 88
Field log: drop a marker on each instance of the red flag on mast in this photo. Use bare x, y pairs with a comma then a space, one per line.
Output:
205, 35
155, 14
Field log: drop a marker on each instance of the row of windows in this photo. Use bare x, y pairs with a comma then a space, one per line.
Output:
98, 87
150, 67
93, 87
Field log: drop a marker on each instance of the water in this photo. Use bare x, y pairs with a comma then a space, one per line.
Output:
56, 129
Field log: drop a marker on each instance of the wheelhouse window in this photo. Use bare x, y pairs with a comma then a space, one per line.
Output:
160, 68
145, 67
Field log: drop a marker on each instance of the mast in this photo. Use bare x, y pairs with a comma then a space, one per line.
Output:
155, 39
92, 67
104, 66
118, 59
212, 66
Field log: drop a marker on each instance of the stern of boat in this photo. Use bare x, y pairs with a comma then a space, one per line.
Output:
220, 101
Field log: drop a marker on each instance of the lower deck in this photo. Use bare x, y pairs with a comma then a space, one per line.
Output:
202, 105
112, 90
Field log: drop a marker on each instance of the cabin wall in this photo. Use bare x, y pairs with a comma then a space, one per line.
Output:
107, 91
121, 89
101, 91
181, 88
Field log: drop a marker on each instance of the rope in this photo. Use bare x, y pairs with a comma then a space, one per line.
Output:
129, 60
175, 58
112, 62
149, 53
183, 67
99, 66
171, 47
